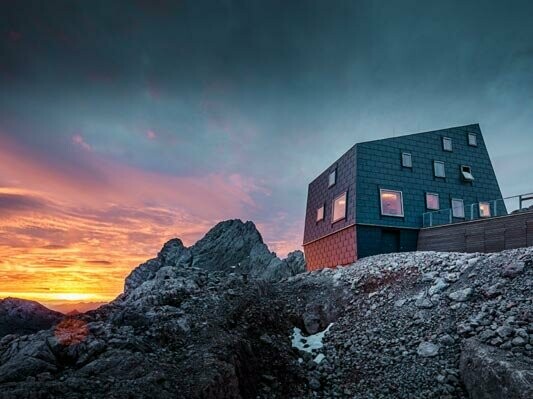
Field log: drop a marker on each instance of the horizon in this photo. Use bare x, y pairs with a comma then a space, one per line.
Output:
125, 125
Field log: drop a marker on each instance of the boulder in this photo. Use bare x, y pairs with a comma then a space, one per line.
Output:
490, 373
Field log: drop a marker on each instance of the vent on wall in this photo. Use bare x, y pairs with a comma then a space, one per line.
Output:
466, 173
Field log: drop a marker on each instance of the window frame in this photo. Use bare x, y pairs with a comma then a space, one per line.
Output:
381, 190
438, 201
323, 207
447, 139
462, 207
435, 169
332, 172
345, 194
479, 209
470, 142
410, 166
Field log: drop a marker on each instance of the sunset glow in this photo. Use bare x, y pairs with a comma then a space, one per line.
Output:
67, 235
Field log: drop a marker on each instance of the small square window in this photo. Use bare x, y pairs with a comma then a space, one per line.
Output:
339, 208
484, 210
320, 214
407, 162
472, 139
438, 168
458, 208
432, 201
447, 144
391, 203
466, 173
332, 179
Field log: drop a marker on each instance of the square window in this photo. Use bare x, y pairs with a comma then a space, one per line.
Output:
466, 173
458, 208
391, 203
472, 139
339, 208
320, 214
447, 144
438, 168
432, 201
407, 162
484, 210
332, 179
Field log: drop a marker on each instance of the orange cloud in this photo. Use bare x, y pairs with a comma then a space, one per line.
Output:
75, 235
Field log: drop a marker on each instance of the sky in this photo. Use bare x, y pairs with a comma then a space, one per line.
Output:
126, 123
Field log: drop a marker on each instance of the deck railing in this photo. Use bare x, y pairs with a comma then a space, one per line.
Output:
479, 210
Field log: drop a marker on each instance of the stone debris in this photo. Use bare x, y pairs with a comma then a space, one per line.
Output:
205, 323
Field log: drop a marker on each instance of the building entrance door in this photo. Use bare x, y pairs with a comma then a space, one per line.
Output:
390, 241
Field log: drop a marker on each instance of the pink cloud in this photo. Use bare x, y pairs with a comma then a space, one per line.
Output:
123, 216
78, 140
151, 135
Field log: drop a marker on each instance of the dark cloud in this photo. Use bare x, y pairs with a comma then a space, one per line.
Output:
14, 203
54, 247
276, 90
99, 262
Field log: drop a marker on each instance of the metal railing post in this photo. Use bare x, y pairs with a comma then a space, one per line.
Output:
450, 218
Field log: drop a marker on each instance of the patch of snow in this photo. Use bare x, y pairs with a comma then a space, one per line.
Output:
309, 343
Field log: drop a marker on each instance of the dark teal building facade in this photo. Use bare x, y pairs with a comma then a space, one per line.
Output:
395, 182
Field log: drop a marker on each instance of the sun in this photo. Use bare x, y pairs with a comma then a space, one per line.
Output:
71, 296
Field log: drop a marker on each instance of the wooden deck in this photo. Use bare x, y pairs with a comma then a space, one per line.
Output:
482, 235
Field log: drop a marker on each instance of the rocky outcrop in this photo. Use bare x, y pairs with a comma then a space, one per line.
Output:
173, 253
491, 373
389, 326
20, 316
231, 246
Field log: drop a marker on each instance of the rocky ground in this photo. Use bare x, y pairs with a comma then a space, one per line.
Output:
217, 320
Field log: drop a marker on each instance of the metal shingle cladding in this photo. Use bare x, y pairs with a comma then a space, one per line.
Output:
379, 166
319, 193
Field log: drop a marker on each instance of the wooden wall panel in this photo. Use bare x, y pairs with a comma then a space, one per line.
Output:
484, 235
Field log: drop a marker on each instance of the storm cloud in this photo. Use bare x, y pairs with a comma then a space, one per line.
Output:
172, 115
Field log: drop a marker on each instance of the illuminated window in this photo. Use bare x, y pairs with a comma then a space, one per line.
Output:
339, 208
466, 173
407, 162
332, 179
438, 168
320, 214
472, 139
432, 201
458, 208
391, 203
447, 144
484, 209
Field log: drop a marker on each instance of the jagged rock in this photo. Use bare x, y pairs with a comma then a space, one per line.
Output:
489, 373
231, 246
461, 295
173, 253
20, 316
427, 349
184, 330
513, 269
